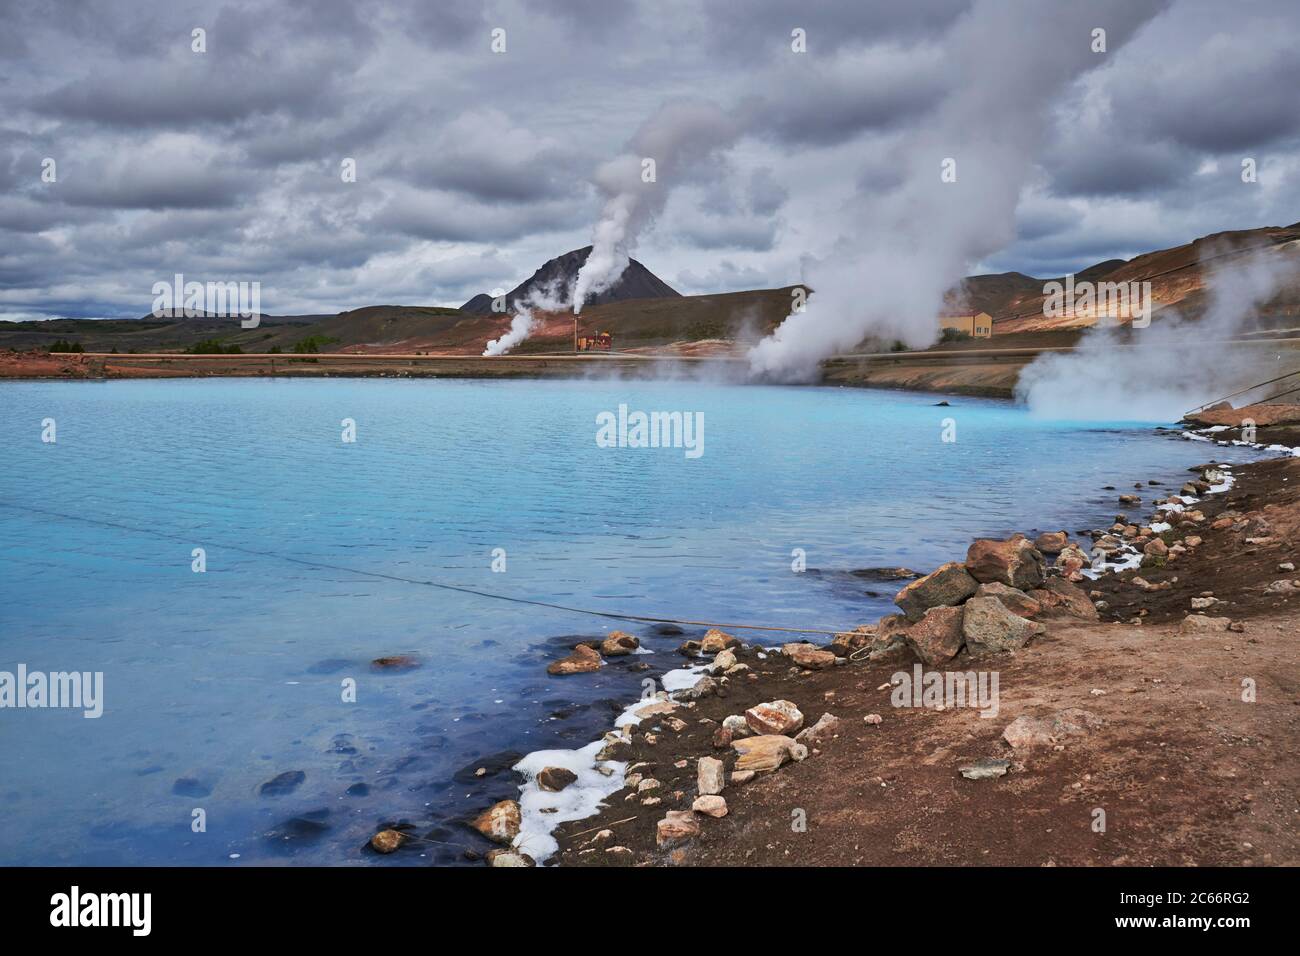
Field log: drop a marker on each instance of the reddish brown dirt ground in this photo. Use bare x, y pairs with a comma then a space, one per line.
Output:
1187, 772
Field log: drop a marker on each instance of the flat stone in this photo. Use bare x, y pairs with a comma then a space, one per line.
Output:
986, 768
809, 656
1026, 731
767, 752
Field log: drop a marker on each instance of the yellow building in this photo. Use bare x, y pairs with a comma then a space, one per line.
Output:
978, 325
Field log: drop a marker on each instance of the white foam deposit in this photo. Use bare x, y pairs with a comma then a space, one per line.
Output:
541, 811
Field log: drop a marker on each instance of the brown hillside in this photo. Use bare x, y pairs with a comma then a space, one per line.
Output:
1177, 276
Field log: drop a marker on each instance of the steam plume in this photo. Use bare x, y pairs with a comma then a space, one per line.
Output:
1176, 364
1011, 59
522, 324
679, 134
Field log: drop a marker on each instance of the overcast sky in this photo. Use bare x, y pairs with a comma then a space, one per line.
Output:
474, 167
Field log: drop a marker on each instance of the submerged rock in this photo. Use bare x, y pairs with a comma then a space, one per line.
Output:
387, 841
396, 662
282, 784
191, 787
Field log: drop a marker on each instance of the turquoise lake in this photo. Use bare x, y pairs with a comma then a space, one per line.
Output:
217, 682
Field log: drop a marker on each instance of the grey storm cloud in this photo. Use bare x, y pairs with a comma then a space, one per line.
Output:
475, 167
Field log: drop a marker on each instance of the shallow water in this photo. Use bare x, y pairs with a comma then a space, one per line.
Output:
217, 682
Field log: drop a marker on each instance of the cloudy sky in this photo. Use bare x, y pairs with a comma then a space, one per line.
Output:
473, 167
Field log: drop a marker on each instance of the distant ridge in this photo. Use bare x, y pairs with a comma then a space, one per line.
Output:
637, 282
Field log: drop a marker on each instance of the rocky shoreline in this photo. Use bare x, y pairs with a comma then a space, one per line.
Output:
683, 764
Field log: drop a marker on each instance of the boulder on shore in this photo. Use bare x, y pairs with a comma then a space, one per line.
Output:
889, 643
1061, 596
715, 641
948, 585
809, 656
583, 660
1015, 600
846, 642
774, 717
1072, 560
1014, 562
989, 628
1052, 542
937, 637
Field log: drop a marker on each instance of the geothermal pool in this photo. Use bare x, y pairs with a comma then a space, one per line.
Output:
216, 683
